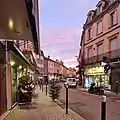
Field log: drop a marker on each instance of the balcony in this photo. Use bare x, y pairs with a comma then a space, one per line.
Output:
112, 56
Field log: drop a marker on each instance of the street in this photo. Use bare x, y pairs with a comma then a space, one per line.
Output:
89, 106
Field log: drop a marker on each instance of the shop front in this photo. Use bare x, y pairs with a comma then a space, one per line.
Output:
19, 66
95, 73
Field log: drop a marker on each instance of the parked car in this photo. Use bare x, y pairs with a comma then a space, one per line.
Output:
71, 82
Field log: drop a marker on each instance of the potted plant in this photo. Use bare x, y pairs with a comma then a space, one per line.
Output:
25, 89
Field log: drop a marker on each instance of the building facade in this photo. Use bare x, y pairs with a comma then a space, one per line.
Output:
58, 69
41, 65
45, 66
50, 68
65, 72
100, 38
17, 59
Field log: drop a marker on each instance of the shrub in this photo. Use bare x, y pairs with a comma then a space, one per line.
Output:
54, 90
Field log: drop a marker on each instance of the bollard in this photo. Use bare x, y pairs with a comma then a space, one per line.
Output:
103, 108
46, 88
42, 86
116, 87
66, 99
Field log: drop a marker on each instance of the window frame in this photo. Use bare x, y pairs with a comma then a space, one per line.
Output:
117, 40
98, 27
100, 8
89, 34
88, 52
111, 24
101, 43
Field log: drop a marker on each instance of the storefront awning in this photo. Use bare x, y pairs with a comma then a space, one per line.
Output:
17, 21
14, 48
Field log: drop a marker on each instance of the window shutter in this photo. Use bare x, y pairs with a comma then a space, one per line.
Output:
109, 20
113, 44
100, 49
89, 54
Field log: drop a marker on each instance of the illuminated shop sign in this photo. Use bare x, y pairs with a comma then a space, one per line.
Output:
95, 71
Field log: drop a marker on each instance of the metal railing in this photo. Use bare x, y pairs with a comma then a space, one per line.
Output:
112, 56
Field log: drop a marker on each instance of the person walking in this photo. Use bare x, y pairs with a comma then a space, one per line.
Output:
39, 83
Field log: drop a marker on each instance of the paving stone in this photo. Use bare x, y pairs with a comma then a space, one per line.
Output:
42, 108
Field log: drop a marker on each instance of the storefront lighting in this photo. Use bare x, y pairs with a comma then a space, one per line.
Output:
10, 23
20, 67
24, 69
12, 63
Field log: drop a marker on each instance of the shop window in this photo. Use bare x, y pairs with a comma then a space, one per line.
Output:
14, 84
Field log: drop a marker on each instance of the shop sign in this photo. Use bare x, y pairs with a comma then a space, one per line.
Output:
95, 71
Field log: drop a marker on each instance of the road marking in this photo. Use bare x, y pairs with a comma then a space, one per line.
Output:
118, 101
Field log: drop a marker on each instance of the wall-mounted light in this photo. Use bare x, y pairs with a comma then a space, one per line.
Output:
12, 63
20, 67
24, 69
10, 23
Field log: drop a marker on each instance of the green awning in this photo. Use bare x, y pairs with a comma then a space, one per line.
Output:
19, 54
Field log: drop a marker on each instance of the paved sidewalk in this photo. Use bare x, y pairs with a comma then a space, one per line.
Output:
42, 109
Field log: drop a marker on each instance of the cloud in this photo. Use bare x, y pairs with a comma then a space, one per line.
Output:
70, 62
59, 36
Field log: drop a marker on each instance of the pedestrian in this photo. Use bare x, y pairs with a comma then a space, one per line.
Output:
39, 83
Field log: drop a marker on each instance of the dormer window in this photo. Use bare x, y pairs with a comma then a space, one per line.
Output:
90, 15
99, 8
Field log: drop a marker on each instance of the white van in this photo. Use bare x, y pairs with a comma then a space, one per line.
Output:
71, 82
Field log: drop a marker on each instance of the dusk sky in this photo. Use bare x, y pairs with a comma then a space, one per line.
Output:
61, 24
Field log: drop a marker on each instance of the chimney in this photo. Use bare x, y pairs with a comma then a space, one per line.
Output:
48, 57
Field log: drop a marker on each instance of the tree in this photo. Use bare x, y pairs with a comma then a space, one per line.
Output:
54, 90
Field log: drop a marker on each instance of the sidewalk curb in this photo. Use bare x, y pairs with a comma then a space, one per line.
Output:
7, 113
72, 113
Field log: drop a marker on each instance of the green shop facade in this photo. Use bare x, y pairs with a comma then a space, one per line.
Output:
17, 66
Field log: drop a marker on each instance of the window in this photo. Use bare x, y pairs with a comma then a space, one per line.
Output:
99, 8
99, 49
113, 19
89, 34
113, 44
89, 53
99, 27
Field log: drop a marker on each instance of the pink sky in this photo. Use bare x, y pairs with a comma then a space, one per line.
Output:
61, 24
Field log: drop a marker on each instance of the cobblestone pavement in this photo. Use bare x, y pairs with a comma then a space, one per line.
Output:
42, 108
